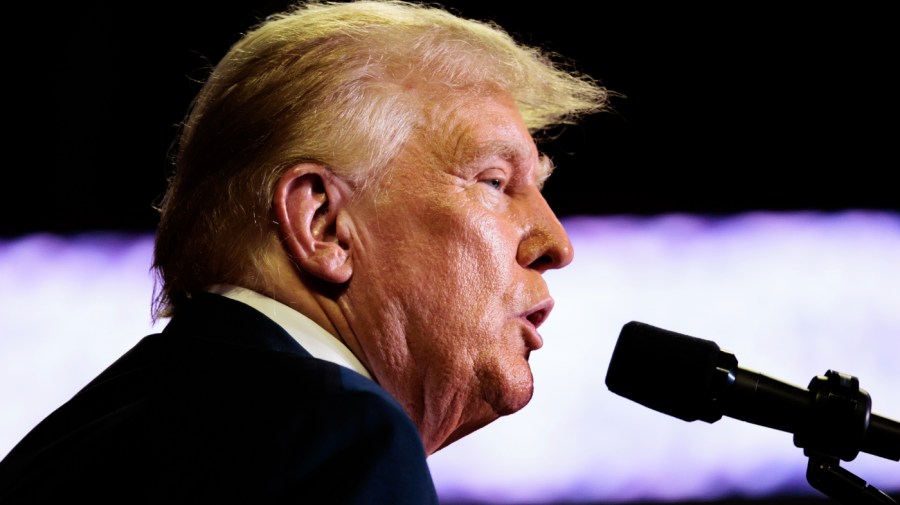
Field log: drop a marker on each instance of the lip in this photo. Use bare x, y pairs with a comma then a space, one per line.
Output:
533, 318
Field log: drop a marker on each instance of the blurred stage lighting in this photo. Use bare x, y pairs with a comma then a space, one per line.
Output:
791, 295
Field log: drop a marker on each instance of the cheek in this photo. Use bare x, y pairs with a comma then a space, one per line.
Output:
468, 296
487, 266
451, 269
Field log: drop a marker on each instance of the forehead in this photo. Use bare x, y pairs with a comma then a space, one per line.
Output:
485, 129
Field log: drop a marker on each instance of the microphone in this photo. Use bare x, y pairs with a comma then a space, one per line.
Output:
693, 379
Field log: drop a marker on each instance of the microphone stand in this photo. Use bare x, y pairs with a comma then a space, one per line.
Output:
825, 474
834, 430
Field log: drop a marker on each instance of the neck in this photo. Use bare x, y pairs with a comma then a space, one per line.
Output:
312, 297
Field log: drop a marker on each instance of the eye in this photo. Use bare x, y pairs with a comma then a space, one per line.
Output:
495, 179
495, 183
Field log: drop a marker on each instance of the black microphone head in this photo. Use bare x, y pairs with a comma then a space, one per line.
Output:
666, 371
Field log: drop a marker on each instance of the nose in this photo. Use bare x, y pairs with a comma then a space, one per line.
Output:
545, 245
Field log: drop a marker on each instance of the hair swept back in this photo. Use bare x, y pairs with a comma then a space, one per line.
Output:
338, 83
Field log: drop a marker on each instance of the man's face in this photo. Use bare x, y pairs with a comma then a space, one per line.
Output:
447, 292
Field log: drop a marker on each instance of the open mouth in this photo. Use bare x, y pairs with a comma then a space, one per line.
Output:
539, 313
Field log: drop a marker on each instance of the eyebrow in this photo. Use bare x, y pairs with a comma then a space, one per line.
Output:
544, 169
514, 155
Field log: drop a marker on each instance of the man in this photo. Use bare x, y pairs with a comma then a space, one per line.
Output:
351, 252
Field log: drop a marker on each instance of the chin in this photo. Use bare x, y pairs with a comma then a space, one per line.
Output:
509, 394
513, 404
501, 396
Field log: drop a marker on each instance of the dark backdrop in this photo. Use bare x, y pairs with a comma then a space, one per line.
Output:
727, 108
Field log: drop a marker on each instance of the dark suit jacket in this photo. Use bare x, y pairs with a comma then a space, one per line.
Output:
222, 406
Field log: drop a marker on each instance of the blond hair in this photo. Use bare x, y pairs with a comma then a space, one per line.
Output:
341, 84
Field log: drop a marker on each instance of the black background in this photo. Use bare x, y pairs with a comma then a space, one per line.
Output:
728, 107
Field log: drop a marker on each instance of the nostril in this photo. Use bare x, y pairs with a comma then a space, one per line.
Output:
537, 317
542, 263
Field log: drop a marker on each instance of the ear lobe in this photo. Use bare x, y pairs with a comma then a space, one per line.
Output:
308, 200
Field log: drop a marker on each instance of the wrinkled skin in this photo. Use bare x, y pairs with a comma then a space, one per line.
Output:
447, 290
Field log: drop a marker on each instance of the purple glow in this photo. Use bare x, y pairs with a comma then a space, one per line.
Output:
791, 295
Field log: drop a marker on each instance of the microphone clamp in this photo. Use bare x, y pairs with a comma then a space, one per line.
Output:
838, 419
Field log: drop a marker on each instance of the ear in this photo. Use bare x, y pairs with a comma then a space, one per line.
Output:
308, 200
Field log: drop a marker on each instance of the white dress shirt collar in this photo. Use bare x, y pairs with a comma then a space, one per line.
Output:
311, 336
